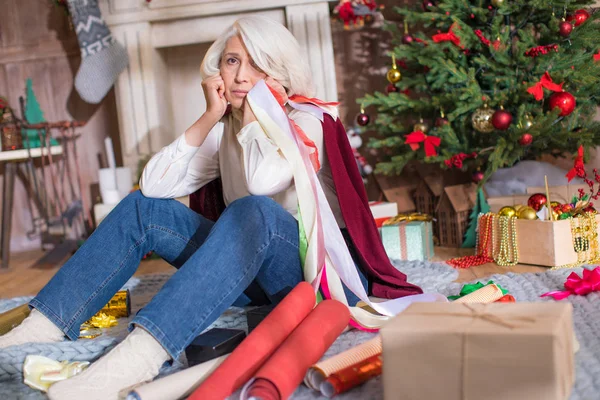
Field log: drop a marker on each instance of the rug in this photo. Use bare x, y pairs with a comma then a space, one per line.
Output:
432, 277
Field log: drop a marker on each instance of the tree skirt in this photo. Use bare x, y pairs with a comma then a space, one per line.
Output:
430, 276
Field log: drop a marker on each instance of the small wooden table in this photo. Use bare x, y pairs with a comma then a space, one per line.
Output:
12, 161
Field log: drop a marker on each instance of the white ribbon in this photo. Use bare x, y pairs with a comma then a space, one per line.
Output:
339, 264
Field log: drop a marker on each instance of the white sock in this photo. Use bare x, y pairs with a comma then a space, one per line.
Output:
137, 359
36, 328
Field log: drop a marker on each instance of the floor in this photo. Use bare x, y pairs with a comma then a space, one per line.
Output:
22, 280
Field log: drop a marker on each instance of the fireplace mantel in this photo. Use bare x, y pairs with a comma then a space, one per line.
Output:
151, 110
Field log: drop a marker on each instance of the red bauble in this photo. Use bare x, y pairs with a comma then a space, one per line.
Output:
426, 4
391, 88
407, 39
439, 121
579, 17
565, 101
536, 201
501, 119
363, 119
526, 139
565, 28
477, 176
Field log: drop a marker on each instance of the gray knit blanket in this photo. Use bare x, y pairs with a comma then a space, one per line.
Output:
432, 277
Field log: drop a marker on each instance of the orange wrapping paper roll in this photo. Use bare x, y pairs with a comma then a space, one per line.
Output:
321, 370
352, 376
487, 294
248, 357
283, 372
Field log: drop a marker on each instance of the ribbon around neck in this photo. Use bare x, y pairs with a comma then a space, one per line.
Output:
577, 165
470, 288
581, 286
429, 142
537, 90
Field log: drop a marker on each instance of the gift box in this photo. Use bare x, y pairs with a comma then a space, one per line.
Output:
382, 211
495, 351
408, 240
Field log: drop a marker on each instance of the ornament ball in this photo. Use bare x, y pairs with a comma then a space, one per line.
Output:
565, 28
477, 176
527, 213
501, 119
394, 76
526, 139
497, 3
565, 101
421, 126
536, 201
507, 211
407, 39
391, 88
579, 17
527, 121
363, 119
482, 119
439, 121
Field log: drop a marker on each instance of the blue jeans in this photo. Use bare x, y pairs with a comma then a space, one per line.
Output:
254, 240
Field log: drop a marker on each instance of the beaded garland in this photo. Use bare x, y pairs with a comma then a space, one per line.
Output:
484, 247
508, 253
584, 231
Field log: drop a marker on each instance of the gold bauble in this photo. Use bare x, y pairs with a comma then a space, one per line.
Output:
518, 207
497, 3
482, 119
507, 211
393, 75
527, 212
527, 121
421, 126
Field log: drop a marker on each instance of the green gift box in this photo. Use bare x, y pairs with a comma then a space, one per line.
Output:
408, 240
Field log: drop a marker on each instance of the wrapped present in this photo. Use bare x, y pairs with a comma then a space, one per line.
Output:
408, 239
382, 211
457, 351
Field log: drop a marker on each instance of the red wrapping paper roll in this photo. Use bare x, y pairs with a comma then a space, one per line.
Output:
248, 357
507, 298
284, 371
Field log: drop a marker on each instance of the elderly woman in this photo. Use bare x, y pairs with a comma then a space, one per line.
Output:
250, 253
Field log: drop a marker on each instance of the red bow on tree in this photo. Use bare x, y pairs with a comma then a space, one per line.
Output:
429, 142
597, 56
578, 166
448, 37
537, 90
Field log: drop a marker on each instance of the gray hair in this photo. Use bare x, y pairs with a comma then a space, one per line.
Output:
272, 47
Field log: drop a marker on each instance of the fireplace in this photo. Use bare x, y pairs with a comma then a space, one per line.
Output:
159, 95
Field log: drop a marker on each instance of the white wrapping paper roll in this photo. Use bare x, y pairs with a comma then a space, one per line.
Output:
178, 385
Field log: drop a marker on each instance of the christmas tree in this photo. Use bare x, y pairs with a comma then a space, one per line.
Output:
500, 81
34, 115
481, 207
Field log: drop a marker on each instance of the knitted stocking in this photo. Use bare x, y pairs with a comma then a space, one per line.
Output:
103, 59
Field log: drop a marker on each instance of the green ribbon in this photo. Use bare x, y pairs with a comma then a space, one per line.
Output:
303, 245
470, 288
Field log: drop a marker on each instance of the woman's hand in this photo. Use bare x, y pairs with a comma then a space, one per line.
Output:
214, 93
281, 96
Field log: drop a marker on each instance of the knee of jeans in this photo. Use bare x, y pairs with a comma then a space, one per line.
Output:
252, 209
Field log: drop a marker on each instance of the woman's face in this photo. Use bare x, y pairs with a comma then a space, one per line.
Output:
239, 72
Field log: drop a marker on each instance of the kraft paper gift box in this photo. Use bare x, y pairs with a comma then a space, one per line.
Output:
408, 240
498, 351
546, 243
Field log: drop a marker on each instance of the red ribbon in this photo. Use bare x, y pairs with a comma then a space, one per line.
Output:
483, 39
537, 90
448, 37
581, 286
429, 142
577, 165
597, 56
